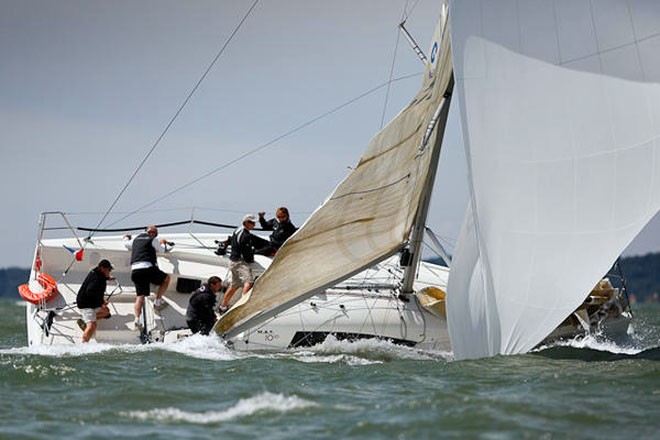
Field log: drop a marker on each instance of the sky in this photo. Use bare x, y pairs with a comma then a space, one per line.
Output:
87, 87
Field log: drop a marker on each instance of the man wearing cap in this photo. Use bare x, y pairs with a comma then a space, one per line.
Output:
240, 260
90, 298
144, 269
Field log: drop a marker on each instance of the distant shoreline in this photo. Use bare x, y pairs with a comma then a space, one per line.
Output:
642, 277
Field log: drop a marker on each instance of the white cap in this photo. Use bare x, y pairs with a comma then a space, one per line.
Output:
249, 218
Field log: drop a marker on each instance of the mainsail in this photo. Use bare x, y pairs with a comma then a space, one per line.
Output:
560, 105
369, 215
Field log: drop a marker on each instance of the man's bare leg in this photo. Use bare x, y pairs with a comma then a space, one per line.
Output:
90, 328
247, 287
163, 287
139, 303
227, 296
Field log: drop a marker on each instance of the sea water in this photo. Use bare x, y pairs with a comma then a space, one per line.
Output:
199, 389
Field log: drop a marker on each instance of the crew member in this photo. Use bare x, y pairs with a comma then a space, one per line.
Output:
240, 260
280, 225
200, 315
145, 271
90, 299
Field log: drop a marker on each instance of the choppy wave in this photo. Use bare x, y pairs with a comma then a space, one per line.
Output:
333, 351
598, 347
201, 347
37, 370
594, 342
262, 403
70, 350
197, 346
366, 351
362, 352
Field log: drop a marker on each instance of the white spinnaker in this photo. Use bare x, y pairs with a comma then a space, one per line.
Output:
560, 108
368, 216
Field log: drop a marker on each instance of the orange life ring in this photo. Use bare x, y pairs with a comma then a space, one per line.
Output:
49, 292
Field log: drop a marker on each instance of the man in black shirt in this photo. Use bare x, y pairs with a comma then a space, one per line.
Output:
90, 299
200, 315
282, 229
144, 269
240, 260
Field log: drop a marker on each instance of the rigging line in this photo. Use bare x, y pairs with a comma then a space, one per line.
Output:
389, 78
160, 225
266, 145
183, 208
176, 115
412, 8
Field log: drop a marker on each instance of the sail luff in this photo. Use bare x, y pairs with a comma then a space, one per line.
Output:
417, 235
438, 123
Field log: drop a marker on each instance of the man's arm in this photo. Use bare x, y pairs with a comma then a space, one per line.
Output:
159, 245
128, 241
266, 225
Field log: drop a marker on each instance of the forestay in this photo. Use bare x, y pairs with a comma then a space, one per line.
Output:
367, 217
560, 105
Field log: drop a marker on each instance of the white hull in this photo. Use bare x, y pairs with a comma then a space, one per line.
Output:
365, 306
348, 315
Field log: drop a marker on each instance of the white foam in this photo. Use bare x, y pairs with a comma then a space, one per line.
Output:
594, 342
43, 370
202, 347
313, 358
363, 352
197, 346
262, 403
68, 350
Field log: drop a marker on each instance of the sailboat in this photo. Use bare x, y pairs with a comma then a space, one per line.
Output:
562, 150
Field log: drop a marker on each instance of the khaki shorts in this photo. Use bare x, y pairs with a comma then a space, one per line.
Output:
241, 273
89, 315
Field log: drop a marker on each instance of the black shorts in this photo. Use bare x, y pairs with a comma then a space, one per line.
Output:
143, 277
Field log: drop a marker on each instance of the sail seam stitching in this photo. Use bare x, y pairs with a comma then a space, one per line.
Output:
366, 191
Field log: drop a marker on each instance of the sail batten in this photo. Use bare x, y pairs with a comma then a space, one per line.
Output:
367, 218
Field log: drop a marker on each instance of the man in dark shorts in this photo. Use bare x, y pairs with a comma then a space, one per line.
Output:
145, 271
200, 315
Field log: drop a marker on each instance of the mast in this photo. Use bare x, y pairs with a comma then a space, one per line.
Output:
417, 234
441, 47
341, 240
